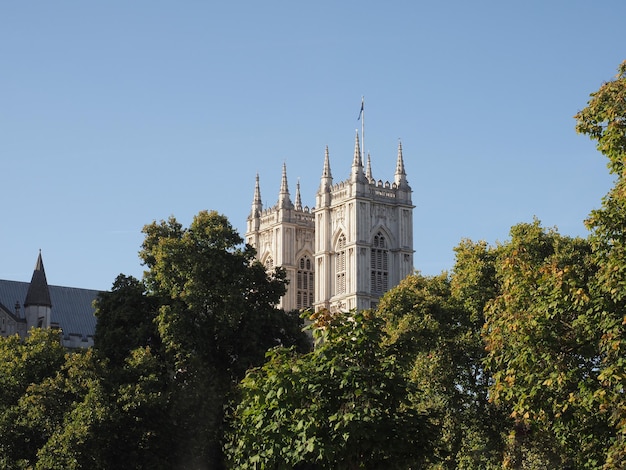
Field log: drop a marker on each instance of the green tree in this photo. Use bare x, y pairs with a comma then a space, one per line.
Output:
342, 406
604, 120
134, 375
71, 412
141, 434
217, 318
437, 340
23, 364
126, 320
541, 342
72, 420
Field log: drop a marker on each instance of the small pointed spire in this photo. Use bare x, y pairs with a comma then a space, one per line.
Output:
326, 172
400, 176
284, 201
298, 199
368, 172
327, 177
257, 204
357, 163
38, 292
284, 188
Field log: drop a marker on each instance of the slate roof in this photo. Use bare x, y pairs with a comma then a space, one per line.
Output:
72, 308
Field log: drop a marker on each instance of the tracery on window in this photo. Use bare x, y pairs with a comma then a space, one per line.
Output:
340, 265
269, 263
304, 283
379, 265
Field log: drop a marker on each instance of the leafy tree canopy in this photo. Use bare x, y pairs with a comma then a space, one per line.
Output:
344, 405
216, 318
438, 342
604, 120
126, 320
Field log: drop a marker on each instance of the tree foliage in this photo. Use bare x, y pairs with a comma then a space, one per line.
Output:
216, 319
437, 340
70, 415
214, 294
541, 344
342, 406
126, 320
604, 120
24, 364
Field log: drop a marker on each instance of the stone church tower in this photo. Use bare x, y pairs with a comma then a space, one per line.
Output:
283, 236
355, 245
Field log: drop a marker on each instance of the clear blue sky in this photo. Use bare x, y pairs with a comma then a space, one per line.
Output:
114, 114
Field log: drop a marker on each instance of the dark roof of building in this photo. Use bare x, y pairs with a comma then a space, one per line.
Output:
72, 307
38, 292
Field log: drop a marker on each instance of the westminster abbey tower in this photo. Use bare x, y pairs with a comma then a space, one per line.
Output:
356, 243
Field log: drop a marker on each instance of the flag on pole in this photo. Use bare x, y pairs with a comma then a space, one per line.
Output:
361, 112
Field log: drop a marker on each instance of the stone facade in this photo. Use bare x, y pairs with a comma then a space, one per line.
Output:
356, 243
11, 323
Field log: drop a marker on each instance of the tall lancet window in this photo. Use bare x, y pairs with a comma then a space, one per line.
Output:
269, 263
304, 283
340, 265
379, 265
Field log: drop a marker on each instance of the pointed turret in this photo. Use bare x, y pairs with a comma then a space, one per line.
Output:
368, 171
400, 176
357, 162
257, 204
38, 293
327, 177
298, 198
326, 172
37, 306
284, 201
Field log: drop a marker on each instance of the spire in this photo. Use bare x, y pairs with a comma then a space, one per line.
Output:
357, 163
368, 171
38, 292
257, 204
326, 172
298, 199
400, 176
284, 201
327, 177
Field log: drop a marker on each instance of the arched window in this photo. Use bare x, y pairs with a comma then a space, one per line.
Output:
269, 263
340, 266
379, 265
304, 283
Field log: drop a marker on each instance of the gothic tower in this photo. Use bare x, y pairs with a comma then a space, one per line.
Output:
283, 236
363, 235
356, 244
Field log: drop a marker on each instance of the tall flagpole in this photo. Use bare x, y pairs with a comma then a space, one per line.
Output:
362, 129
